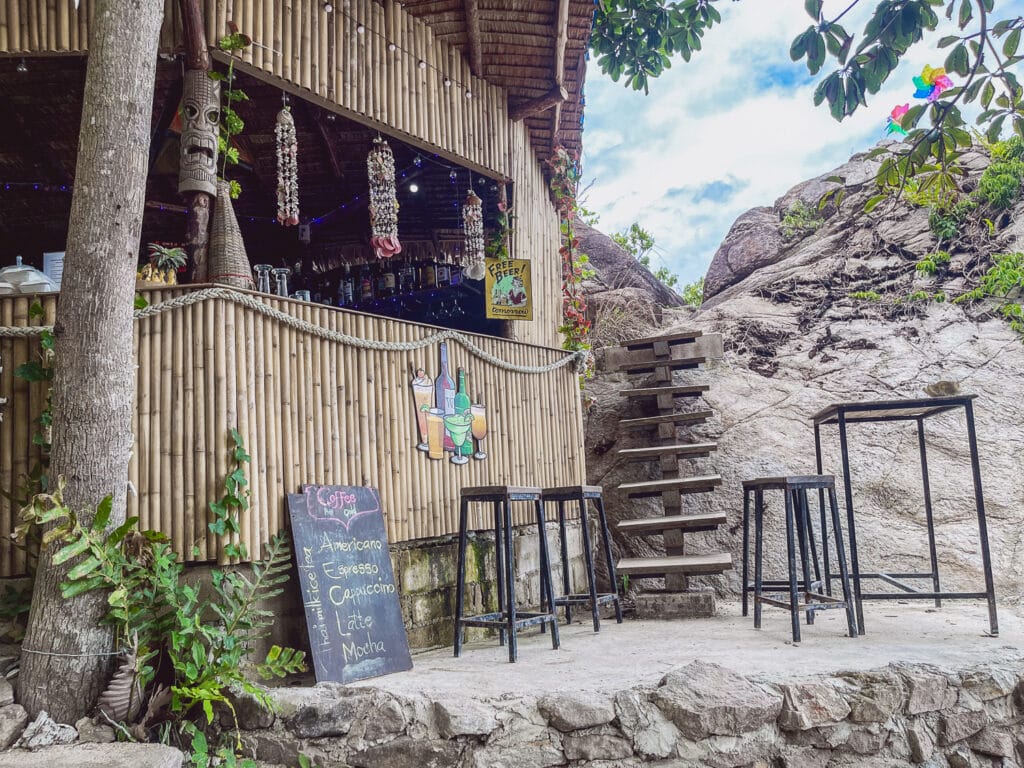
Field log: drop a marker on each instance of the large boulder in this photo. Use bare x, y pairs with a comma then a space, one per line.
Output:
796, 339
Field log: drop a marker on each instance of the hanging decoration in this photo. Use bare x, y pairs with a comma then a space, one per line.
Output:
380, 165
895, 118
929, 86
287, 169
473, 229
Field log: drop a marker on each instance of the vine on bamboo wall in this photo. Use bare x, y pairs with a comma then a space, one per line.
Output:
565, 180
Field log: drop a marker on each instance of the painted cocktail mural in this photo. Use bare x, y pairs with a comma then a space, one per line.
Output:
447, 419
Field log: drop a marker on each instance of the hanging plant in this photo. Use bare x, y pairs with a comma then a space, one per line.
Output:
231, 124
498, 247
287, 169
380, 166
565, 178
473, 231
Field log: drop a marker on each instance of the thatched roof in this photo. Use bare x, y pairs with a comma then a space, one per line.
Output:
518, 44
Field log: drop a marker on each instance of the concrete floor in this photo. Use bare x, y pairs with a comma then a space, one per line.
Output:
641, 652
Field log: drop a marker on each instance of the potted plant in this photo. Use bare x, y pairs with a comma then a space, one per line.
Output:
163, 266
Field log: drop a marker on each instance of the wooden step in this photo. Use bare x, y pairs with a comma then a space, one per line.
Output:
701, 484
679, 337
672, 363
688, 450
688, 390
648, 567
685, 417
652, 525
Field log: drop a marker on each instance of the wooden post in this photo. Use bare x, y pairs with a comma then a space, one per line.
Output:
200, 204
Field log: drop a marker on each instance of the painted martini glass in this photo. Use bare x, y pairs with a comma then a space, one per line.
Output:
458, 426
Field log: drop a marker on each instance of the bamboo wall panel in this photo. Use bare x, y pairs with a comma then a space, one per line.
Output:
323, 57
310, 410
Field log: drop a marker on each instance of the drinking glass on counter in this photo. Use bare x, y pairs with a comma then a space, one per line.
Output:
263, 277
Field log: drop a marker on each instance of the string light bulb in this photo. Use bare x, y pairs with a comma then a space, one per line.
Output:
360, 29
447, 82
328, 8
414, 188
469, 94
453, 177
422, 64
22, 66
418, 162
392, 47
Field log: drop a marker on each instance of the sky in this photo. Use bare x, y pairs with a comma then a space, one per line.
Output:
734, 128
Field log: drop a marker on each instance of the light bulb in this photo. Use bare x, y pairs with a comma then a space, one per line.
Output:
418, 162
469, 94
452, 177
328, 8
392, 47
22, 66
414, 188
447, 82
360, 29
422, 64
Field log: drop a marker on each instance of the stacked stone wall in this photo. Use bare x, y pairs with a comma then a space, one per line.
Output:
699, 715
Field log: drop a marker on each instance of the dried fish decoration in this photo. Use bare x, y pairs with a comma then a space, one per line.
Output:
473, 229
287, 169
380, 164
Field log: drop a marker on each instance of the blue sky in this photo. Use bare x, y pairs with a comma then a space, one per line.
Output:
734, 128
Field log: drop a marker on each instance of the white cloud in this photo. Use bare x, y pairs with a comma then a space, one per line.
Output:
741, 114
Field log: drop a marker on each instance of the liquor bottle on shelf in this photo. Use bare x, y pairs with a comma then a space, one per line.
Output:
428, 277
462, 406
444, 393
386, 280
443, 272
406, 277
366, 286
346, 288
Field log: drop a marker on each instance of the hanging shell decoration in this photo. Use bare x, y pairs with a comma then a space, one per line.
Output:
287, 169
380, 165
473, 229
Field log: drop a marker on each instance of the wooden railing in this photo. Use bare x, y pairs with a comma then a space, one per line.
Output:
310, 410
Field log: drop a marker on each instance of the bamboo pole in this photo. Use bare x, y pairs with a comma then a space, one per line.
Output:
187, 335
199, 422
179, 508
219, 438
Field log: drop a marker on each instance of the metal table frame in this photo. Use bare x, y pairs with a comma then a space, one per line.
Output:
911, 409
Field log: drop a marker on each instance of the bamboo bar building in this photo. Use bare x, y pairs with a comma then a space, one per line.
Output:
316, 357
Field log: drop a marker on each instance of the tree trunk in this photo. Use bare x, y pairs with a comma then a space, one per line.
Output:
65, 662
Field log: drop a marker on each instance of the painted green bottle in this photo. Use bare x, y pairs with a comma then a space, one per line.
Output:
462, 403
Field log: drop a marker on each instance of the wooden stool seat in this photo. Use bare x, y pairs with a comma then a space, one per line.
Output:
507, 619
581, 494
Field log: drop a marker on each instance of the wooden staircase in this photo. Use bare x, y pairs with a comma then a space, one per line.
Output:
662, 356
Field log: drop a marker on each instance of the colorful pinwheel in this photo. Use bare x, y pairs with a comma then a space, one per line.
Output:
894, 120
931, 83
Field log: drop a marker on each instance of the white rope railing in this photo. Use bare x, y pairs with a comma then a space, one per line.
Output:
579, 358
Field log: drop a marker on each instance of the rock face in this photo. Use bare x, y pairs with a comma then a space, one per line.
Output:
796, 341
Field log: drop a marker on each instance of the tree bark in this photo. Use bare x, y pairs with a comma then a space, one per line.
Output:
65, 663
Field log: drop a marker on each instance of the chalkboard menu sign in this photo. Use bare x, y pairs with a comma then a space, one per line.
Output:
348, 586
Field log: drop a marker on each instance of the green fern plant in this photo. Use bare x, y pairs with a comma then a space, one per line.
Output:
157, 614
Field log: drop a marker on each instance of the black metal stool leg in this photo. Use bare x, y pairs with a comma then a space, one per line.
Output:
794, 600
844, 576
758, 551
608, 557
510, 580
746, 547
499, 559
811, 541
566, 582
589, 560
460, 589
545, 573
800, 529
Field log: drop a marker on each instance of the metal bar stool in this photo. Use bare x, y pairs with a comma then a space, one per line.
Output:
507, 620
581, 494
798, 535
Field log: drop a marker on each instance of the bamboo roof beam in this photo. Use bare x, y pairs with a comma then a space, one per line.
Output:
473, 37
552, 98
561, 39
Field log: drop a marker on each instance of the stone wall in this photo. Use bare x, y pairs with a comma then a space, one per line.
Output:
425, 573
698, 715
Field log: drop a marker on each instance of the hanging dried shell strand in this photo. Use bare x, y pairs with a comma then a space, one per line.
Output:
473, 229
287, 169
380, 166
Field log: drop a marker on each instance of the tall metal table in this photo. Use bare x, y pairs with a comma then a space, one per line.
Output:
912, 409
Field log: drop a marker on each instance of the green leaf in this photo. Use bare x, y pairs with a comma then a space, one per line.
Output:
69, 590
103, 514
121, 531
71, 550
140, 301
869, 206
1011, 43
956, 61
83, 569
813, 8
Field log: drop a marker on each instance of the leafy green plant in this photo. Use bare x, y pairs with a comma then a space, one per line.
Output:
693, 293
231, 123
1000, 183
498, 246
160, 616
919, 296
639, 243
1003, 280
933, 263
866, 295
799, 220
165, 257
234, 501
